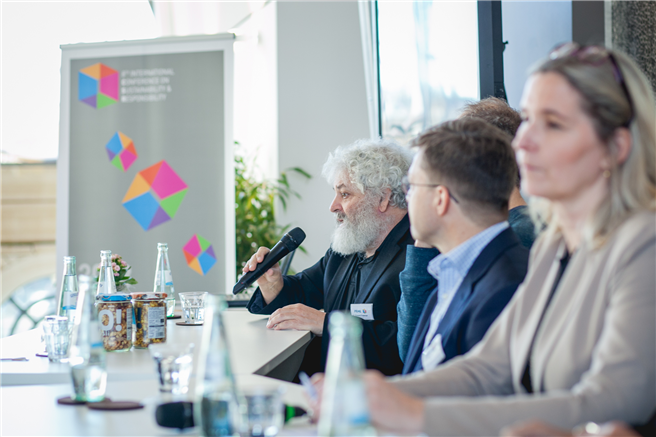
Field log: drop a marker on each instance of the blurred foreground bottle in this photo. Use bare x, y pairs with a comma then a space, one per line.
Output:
87, 354
216, 410
344, 407
106, 281
68, 291
163, 279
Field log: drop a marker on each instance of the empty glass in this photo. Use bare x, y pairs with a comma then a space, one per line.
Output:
174, 363
261, 411
56, 335
193, 306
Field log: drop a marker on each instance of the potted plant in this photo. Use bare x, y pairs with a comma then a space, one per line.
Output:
255, 207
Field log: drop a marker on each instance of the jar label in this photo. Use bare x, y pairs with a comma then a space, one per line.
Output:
156, 322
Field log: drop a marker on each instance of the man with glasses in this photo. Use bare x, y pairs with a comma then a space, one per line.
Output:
457, 189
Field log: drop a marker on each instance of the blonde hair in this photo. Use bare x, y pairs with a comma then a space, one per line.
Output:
633, 182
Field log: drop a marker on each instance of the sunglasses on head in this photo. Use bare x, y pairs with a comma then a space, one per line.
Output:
596, 56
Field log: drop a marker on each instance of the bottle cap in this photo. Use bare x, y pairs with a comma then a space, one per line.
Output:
341, 322
114, 297
148, 296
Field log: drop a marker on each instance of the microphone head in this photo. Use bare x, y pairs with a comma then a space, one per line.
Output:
297, 235
175, 415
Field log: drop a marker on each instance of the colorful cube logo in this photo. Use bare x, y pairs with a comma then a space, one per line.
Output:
121, 151
199, 254
155, 195
98, 85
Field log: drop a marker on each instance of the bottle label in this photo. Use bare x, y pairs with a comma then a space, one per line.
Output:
168, 279
156, 322
354, 403
70, 300
94, 335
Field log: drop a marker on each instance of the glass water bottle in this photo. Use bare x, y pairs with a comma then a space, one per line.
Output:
68, 291
87, 354
344, 407
216, 409
106, 281
163, 279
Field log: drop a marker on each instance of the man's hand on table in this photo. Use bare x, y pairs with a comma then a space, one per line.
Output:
299, 317
270, 282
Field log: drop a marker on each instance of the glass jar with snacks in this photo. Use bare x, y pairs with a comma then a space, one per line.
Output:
115, 316
150, 318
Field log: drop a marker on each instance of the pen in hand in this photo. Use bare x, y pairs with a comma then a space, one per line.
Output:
309, 388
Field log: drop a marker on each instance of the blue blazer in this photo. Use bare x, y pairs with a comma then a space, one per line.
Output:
483, 294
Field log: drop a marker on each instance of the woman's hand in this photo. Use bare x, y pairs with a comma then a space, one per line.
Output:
392, 409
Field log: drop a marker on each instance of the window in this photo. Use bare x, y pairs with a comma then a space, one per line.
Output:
429, 64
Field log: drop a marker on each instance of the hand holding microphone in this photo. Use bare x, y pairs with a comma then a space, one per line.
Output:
270, 282
263, 266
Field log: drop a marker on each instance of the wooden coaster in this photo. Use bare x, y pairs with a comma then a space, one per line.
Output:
114, 405
174, 317
188, 324
67, 400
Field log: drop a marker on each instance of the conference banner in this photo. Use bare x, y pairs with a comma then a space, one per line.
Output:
146, 157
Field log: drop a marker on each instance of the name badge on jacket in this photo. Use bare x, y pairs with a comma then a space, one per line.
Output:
365, 311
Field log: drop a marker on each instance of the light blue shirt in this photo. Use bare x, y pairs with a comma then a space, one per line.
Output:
450, 269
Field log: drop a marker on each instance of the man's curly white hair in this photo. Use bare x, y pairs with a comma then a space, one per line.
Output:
372, 166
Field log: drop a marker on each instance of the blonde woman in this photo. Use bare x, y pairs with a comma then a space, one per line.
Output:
576, 342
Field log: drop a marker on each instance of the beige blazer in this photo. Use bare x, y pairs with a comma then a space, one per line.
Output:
594, 356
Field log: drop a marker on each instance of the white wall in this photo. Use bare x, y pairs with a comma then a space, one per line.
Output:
322, 103
299, 93
532, 30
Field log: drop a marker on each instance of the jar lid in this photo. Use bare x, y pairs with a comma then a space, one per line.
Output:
148, 296
114, 297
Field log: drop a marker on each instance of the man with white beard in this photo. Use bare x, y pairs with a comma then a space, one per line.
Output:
360, 271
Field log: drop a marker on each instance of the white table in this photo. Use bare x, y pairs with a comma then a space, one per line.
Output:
253, 348
33, 411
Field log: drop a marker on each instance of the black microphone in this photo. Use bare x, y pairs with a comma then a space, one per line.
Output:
181, 414
289, 242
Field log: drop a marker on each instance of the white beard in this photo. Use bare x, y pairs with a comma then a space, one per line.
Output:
360, 231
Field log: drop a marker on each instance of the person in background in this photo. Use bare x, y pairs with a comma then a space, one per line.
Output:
499, 113
416, 283
457, 191
576, 342
360, 271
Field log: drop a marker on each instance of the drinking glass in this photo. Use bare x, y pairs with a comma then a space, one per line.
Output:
56, 334
174, 363
261, 411
193, 306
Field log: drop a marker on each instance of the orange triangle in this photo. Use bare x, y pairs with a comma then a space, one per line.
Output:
106, 71
189, 257
92, 70
195, 265
138, 187
124, 139
131, 148
150, 173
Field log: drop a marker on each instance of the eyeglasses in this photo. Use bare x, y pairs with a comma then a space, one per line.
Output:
406, 185
596, 56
